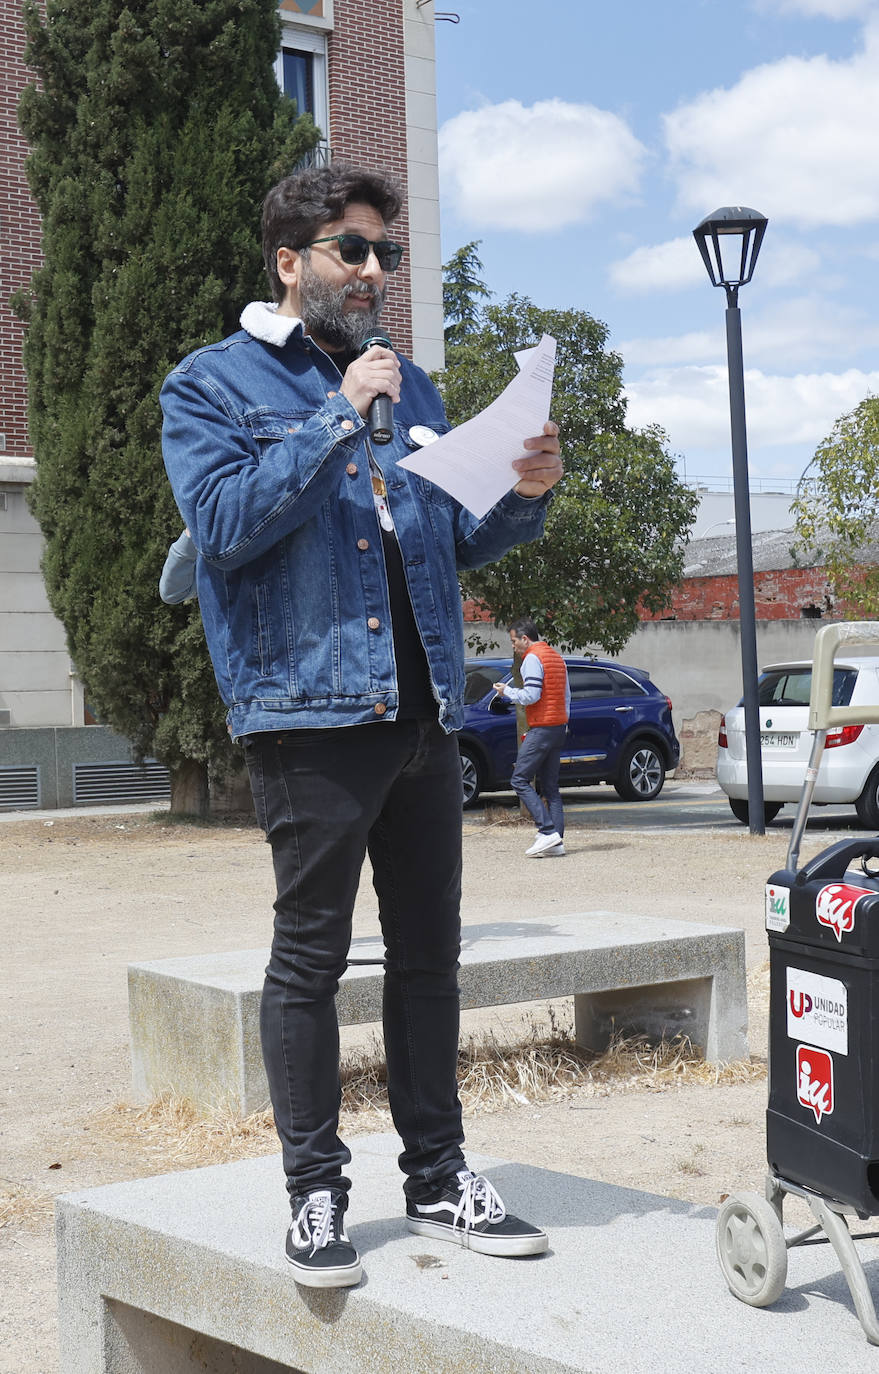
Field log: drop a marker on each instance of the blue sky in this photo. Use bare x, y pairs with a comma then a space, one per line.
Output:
583, 142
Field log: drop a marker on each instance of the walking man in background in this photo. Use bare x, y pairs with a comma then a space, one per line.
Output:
327, 583
546, 696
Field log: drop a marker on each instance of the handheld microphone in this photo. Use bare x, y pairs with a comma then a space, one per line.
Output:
380, 416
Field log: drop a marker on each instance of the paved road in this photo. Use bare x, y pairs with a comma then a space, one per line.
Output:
683, 805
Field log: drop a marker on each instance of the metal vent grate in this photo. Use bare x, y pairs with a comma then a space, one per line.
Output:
103, 784
19, 786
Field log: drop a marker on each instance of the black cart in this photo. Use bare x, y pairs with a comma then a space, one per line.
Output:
822, 1122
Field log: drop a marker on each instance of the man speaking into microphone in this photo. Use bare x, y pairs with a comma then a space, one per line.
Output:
327, 582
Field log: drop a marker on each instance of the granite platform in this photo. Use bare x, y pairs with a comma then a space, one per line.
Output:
186, 1272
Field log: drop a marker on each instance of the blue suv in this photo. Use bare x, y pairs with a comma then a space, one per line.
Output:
620, 730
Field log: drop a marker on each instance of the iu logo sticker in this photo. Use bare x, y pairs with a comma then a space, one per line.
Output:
835, 906
815, 1080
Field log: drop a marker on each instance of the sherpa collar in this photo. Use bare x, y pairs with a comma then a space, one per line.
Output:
262, 321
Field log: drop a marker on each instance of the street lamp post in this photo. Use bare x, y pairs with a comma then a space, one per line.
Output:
729, 241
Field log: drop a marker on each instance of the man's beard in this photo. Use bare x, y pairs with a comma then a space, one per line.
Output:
323, 315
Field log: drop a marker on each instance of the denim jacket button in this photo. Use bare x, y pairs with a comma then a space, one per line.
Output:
331, 394
351, 469
347, 424
379, 708
373, 622
362, 544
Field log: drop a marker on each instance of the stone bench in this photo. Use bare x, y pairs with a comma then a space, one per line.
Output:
186, 1273
194, 1021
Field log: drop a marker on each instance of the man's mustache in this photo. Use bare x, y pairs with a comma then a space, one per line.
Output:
366, 291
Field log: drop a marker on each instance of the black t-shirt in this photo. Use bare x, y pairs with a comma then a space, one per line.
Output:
413, 676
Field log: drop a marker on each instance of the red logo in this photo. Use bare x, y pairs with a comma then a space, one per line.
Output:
800, 1003
835, 907
815, 1080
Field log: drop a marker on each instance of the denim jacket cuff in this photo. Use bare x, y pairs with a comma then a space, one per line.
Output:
524, 507
342, 420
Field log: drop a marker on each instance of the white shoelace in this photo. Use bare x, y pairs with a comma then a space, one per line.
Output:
476, 1193
314, 1221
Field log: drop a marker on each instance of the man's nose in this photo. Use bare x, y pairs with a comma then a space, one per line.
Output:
370, 270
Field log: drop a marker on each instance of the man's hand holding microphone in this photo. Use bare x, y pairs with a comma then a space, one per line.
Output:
372, 385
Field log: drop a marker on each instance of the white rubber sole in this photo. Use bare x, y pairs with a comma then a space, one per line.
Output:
483, 1243
344, 1277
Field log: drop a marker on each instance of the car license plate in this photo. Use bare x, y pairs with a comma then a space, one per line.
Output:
776, 740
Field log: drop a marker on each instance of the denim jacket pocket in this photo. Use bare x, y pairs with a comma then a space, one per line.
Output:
271, 426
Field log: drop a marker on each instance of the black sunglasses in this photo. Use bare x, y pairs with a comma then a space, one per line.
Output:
354, 250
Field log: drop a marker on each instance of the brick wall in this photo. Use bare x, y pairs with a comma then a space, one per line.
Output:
19, 227
782, 594
368, 119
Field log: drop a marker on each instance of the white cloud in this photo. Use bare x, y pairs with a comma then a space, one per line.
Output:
546, 166
794, 139
677, 263
660, 267
798, 331
783, 263
692, 405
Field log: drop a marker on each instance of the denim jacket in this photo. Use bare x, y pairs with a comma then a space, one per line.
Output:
270, 469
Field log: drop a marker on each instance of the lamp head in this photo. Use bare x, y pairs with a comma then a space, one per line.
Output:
729, 241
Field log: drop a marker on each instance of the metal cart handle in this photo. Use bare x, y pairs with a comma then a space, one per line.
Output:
824, 716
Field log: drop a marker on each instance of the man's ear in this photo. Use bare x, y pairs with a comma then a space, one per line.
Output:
289, 264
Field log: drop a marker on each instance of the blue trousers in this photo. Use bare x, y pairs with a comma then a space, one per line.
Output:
325, 798
539, 757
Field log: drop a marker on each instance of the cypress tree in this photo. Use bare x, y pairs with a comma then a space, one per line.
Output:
155, 133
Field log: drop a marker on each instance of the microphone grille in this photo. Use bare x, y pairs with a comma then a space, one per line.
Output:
381, 340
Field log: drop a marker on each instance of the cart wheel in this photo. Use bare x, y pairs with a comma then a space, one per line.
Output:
751, 1249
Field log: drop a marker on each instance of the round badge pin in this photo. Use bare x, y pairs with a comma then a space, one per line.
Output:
422, 435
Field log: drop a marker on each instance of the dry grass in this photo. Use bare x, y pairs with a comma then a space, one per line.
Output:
172, 1132
543, 1066
20, 1208
497, 814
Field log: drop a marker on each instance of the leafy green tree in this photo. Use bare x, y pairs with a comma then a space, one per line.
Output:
155, 133
616, 529
839, 509
463, 291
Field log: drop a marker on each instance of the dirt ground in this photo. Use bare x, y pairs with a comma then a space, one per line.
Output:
80, 898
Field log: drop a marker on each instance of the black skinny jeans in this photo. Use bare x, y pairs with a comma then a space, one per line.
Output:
324, 797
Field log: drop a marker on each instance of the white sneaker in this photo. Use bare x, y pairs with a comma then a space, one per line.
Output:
556, 852
542, 843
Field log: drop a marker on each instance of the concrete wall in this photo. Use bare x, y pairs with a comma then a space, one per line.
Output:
37, 687
55, 752
699, 665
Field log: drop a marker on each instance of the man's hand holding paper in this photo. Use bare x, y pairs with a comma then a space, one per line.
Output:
482, 459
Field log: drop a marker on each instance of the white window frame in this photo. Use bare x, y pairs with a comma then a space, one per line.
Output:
307, 40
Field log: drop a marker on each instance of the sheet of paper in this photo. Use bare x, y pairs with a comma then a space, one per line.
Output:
474, 462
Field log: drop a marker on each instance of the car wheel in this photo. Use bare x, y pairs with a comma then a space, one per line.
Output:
867, 804
642, 773
471, 776
740, 810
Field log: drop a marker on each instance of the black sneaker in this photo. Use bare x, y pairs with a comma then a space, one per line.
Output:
321, 1254
466, 1209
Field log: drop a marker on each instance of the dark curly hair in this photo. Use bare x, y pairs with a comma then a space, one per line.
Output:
295, 210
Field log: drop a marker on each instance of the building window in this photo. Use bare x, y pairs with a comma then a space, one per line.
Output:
301, 70
299, 79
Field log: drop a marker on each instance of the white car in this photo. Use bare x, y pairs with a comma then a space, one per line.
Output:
849, 771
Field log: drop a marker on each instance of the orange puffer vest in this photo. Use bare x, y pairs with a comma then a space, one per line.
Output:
550, 707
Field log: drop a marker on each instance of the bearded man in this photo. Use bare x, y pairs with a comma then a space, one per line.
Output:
327, 582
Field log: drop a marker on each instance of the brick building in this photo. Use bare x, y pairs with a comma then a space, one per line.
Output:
366, 72
784, 589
